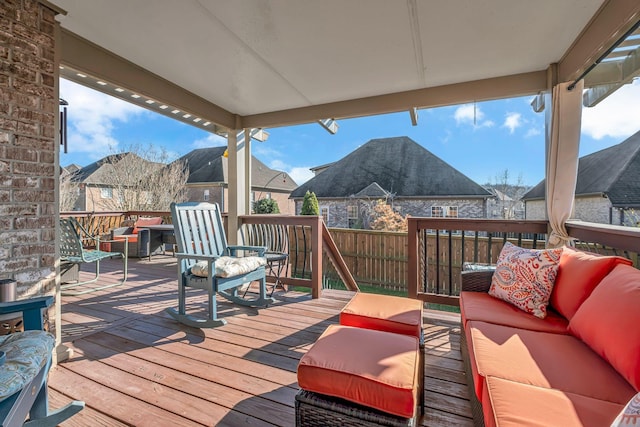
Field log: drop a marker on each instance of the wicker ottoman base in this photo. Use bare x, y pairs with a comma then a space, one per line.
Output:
314, 409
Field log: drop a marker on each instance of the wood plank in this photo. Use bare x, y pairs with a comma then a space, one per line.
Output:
135, 365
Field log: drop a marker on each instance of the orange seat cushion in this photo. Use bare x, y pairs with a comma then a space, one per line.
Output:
513, 404
608, 321
482, 306
143, 222
546, 360
373, 368
578, 275
132, 238
383, 313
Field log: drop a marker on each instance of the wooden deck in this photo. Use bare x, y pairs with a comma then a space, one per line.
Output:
134, 365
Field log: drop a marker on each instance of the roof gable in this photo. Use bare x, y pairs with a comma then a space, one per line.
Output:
397, 165
614, 171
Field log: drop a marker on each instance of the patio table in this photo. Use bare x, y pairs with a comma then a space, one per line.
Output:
159, 236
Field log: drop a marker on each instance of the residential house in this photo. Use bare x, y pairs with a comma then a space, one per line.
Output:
503, 205
100, 186
208, 180
398, 170
607, 187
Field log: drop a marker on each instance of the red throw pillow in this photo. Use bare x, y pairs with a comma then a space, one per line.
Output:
143, 222
608, 321
578, 275
525, 277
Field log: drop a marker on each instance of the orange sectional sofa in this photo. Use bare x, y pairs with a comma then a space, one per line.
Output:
578, 366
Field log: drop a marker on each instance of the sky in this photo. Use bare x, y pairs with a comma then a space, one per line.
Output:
481, 140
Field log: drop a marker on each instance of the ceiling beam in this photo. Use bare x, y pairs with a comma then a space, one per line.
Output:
611, 22
453, 94
86, 57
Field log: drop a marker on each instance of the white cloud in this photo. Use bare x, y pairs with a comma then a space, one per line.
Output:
211, 140
471, 114
532, 132
300, 174
616, 116
512, 121
91, 118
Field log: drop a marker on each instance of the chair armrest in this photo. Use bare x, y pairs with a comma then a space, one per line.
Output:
232, 250
476, 281
31, 310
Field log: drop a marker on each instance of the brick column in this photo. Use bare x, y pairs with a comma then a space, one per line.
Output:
28, 146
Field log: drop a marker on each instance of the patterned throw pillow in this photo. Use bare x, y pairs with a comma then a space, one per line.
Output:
630, 415
525, 277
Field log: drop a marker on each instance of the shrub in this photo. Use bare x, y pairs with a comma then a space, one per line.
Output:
266, 206
310, 204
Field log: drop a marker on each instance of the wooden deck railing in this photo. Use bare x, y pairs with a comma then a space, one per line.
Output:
440, 247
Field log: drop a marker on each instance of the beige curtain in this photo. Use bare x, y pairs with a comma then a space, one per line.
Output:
562, 160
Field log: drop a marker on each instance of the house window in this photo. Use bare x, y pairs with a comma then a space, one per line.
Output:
205, 196
267, 195
324, 211
106, 192
352, 212
451, 212
437, 211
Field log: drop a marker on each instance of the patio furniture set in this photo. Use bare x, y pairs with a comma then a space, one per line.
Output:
578, 364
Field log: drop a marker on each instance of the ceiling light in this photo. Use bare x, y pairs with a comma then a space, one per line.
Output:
119, 89
150, 101
81, 75
135, 95
175, 111
101, 83
163, 107
186, 116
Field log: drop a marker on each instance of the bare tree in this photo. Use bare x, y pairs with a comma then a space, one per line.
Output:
69, 192
143, 179
385, 218
508, 194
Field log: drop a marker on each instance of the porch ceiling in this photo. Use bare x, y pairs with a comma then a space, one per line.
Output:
258, 63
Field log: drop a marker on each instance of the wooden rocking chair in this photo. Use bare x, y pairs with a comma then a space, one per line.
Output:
200, 236
25, 358
72, 251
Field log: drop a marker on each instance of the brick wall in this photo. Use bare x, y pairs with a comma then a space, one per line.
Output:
28, 111
467, 208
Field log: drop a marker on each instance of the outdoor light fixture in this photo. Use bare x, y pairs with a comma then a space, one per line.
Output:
414, 116
63, 124
330, 125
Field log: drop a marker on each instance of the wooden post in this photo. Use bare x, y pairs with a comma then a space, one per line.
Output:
316, 257
413, 264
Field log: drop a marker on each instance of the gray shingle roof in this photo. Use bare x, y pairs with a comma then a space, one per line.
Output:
614, 171
98, 172
207, 165
398, 165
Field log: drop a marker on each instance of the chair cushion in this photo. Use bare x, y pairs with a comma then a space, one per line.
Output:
525, 277
143, 222
608, 321
630, 414
512, 404
373, 368
383, 313
26, 353
227, 266
531, 357
578, 275
131, 238
482, 306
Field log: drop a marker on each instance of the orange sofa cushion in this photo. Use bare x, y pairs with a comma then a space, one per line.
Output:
143, 222
546, 360
383, 313
131, 238
608, 321
373, 368
513, 404
482, 306
578, 275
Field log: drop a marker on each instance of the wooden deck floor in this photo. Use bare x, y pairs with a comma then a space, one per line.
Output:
134, 365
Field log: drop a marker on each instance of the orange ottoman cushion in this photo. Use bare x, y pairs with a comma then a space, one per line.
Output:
384, 313
131, 238
373, 368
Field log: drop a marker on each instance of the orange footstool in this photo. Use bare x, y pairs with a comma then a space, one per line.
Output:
390, 314
353, 376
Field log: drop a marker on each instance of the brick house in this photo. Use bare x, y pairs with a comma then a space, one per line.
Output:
208, 180
607, 187
398, 170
